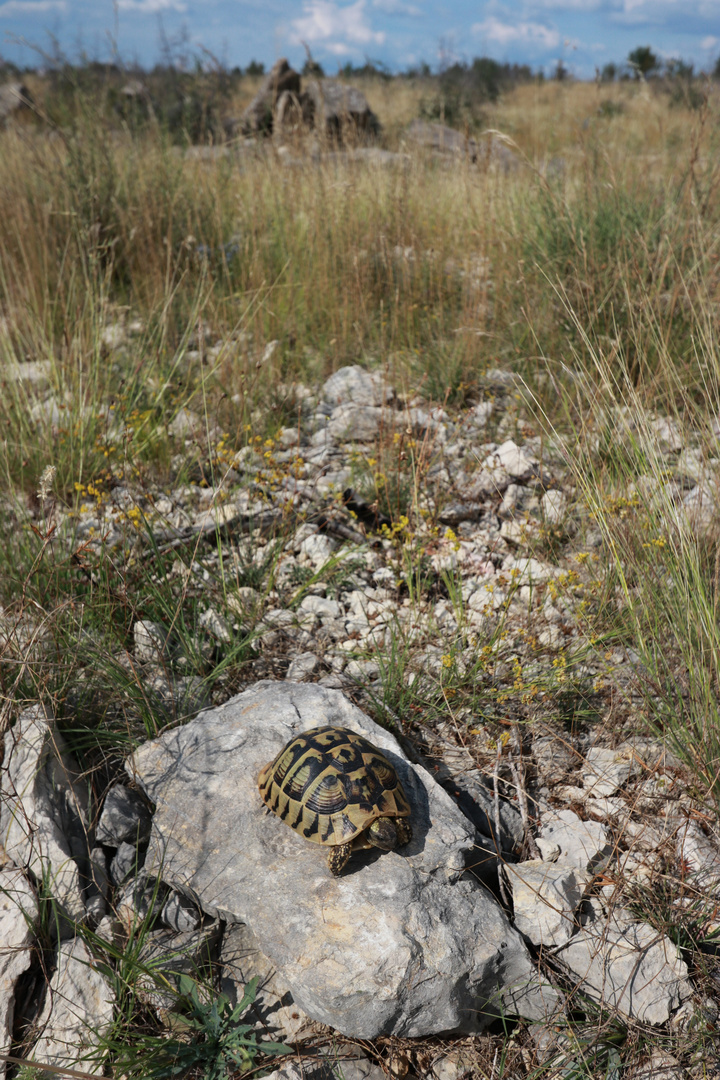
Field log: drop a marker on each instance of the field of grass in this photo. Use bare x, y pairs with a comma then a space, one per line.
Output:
142, 281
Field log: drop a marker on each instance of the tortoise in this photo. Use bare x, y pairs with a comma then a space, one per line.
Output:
335, 788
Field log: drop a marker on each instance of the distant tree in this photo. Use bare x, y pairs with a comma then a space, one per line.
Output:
255, 68
679, 69
422, 71
609, 73
716, 69
561, 72
643, 61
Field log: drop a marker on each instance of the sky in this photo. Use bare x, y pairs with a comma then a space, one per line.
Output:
583, 34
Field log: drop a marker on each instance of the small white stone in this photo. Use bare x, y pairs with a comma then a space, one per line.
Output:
545, 898
320, 605
302, 667
554, 507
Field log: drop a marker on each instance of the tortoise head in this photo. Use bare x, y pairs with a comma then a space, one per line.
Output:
383, 834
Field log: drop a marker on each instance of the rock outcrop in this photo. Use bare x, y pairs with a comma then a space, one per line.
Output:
400, 944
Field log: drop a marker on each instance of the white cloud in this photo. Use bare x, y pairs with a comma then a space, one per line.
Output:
334, 26
663, 12
397, 7
31, 7
531, 34
709, 42
151, 7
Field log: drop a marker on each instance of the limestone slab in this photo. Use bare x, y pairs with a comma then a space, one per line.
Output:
43, 810
78, 1008
18, 913
397, 944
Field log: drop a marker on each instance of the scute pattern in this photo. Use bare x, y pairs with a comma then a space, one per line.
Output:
330, 784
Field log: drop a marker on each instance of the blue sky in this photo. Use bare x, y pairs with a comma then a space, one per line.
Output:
400, 33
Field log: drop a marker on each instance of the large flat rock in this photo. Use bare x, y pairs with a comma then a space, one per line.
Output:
399, 943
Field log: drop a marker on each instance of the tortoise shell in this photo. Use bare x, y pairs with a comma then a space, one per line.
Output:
330, 784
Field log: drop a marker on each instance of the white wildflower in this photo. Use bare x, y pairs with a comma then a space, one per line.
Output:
46, 481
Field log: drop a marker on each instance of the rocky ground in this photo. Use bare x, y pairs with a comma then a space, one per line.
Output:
439, 568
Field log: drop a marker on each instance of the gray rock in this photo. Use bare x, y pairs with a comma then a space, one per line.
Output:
241, 960
151, 642
546, 896
302, 667
516, 463
258, 116
14, 98
316, 550
126, 863
661, 1066
339, 110
78, 1010
606, 770
185, 424
180, 913
140, 901
320, 605
584, 844
43, 812
125, 818
554, 506
356, 386
489, 152
35, 373
359, 423
441, 138
628, 966
18, 913
97, 891
698, 856
406, 946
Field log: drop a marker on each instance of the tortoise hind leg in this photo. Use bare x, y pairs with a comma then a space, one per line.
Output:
404, 831
337, 857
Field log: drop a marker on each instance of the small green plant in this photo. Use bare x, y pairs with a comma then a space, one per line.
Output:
216, 1043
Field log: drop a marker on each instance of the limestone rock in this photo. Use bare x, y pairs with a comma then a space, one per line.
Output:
490, 152
125, 817
14, 98
546, 896
78, 1008
258, 116
151, 642
302, 667
554, 505
606, 770
354, 385
359, 423
339, 110
43, 812
240, 961
584, 844
406, 947
516, 463
628, 966
18, 912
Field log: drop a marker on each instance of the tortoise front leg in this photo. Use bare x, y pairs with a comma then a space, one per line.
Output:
404, 831
337, 857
